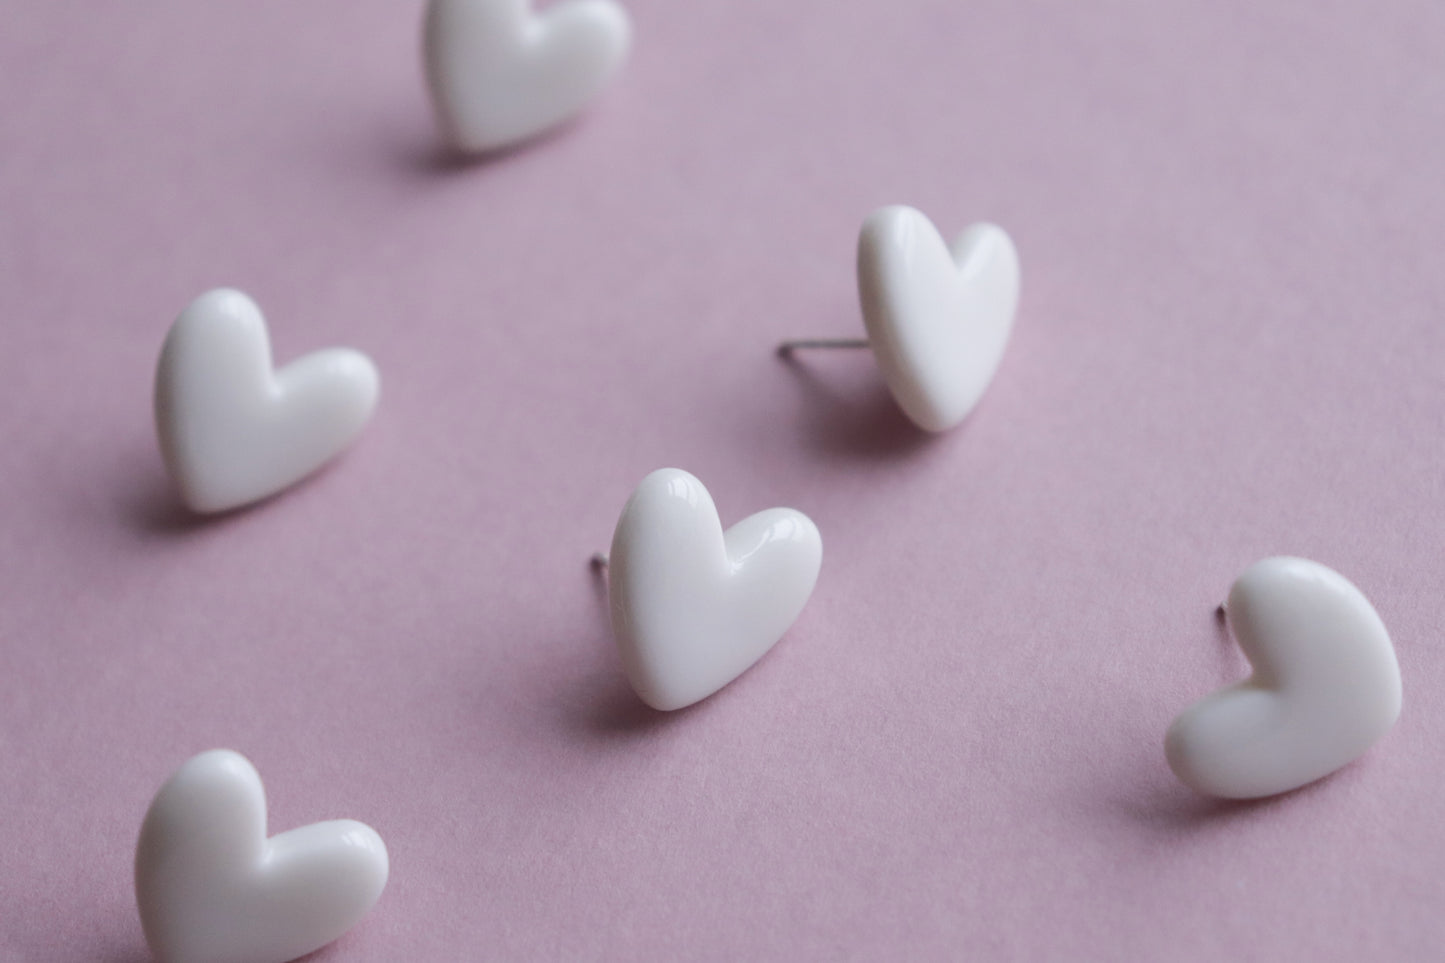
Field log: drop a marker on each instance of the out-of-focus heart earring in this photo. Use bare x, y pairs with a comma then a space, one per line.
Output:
233, 431
500, 74
938, 317
210, 885
1325, 688
693, 606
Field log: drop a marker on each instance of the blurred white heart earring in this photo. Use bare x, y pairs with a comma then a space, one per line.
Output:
694, 607
938, 317
500, 74
231, 430
212, 887
1325, 688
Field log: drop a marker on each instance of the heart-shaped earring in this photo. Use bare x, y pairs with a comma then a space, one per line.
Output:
693, 607
211, 887
1325, 687
500, 74
233, 432
938, 317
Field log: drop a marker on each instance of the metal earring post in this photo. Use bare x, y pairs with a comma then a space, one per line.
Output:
599, 562
788, 347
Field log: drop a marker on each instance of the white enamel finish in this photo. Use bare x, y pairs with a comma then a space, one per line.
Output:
231, 430
500, 74
693, 607
938, 318
213, 889
1325, 687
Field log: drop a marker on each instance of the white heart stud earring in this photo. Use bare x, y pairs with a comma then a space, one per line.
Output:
233, 432
1325, 687
938, 318
693, 607
500, 74
212, 888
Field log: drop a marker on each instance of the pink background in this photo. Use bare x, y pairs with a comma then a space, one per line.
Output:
1230, 345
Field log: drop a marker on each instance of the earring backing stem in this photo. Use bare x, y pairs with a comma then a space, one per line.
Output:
599, 561
788, 347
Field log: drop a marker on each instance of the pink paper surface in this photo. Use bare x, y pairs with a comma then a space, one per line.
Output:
1231, 223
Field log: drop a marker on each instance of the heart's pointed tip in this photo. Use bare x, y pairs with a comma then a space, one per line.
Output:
664, 703
931, 420
205, 505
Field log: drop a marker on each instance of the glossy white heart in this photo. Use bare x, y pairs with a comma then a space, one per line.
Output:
938, 319
233, 432
1325, 687
213, 889
693, 607
500, 74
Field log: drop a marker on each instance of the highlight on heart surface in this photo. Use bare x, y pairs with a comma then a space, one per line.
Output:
212, 888
500, 74
1325, 688
232, 431
694, 607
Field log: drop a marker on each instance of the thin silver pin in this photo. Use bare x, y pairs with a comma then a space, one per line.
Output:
599, 561
788, 347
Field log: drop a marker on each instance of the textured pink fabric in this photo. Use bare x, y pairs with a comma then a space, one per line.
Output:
1231, 225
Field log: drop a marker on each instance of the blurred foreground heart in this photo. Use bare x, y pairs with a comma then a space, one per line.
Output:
213, 889
231, 430
500, 74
